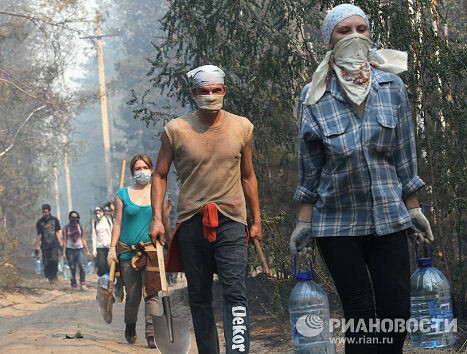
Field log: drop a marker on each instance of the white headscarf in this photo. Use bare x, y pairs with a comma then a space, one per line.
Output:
206, 75
350, 59
336, 15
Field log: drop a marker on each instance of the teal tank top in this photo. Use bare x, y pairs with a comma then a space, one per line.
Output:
136, 220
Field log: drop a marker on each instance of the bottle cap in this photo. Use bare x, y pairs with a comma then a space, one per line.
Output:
304, 276
424, 262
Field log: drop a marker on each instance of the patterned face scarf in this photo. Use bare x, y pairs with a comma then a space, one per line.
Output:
74, 232
351, 60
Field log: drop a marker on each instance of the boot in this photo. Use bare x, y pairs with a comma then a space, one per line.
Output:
130, 333
151, 342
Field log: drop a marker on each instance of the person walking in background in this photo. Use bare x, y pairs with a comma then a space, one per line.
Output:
212, 153
132, 249
48, 240
109, 210
101, 236
75, 249
358, 178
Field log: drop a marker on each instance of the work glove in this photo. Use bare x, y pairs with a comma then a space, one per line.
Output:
112, 255
421, 226
300, 237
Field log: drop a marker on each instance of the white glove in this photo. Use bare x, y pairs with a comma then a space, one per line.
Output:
300, 236
94, 252
112, 255
421, 226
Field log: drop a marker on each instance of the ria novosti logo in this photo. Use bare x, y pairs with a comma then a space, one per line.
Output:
309, 325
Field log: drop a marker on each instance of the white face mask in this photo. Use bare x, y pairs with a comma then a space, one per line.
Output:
210, 102
142, 176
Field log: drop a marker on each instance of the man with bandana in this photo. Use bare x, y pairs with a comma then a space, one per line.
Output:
358, 177
212, 152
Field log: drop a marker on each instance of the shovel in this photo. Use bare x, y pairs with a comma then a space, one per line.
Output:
171, 334
259, 250
105, 297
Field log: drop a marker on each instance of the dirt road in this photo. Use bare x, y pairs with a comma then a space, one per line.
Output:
38, 318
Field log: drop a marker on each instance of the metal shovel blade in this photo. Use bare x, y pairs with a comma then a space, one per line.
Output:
181, 335
105, 300
105, 296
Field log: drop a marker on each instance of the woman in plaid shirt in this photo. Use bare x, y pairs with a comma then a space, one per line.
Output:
358, 178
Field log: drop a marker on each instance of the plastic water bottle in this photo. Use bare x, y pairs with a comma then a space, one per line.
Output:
90, 267
309, 316
66, 271
60, 264
431, 323
37, 266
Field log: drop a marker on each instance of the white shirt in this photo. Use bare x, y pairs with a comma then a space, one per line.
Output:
101, 233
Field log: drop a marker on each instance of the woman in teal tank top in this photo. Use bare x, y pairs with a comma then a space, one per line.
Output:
132, 220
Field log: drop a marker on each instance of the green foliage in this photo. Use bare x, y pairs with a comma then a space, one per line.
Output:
35, 114
270, 48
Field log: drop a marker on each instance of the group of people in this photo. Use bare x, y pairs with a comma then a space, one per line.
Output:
357, 190
71, 242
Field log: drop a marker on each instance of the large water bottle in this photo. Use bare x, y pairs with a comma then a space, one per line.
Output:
66, 271
60, 264
37, 266
309, 316
90, 267
431, 322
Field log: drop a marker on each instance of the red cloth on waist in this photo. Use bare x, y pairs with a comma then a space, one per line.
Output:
210, 222
173, 262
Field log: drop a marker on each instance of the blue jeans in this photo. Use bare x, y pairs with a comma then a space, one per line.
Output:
76, 257
228, 257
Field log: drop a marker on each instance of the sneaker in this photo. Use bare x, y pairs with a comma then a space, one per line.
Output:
84, 287
130, 333
151, 342
74, 287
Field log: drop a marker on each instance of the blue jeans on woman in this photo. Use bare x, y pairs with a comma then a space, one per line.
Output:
226, 256
76, 257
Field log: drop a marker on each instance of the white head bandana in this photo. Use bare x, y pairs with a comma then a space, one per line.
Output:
206, 75
336, 15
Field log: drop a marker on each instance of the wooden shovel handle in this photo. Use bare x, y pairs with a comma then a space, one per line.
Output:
110, 285
160, 261
259, 250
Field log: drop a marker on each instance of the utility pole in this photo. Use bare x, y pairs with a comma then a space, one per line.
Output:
67, 176
97, 40
57, 195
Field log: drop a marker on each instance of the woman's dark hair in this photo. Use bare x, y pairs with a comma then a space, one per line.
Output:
143, 157
73, 212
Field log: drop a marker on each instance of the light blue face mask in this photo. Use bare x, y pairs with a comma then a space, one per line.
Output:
143, 176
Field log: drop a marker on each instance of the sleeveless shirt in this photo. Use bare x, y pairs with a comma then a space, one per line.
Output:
208, 160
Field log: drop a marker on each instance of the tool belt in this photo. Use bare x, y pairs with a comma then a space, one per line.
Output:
145, 257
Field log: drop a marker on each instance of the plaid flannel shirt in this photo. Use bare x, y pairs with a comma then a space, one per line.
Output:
357, 171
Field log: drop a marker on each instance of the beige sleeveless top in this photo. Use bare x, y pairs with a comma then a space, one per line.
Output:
207, 160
